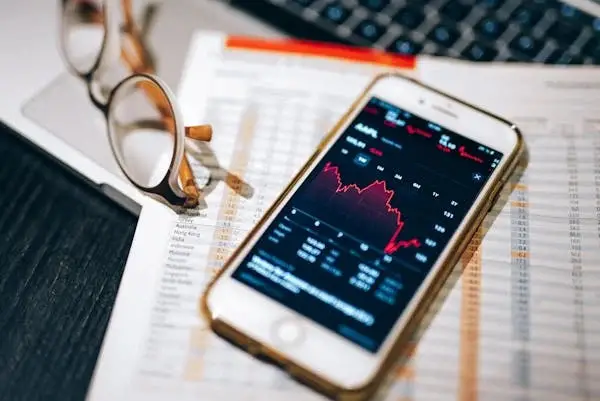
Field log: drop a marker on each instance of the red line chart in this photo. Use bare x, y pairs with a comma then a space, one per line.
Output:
378, 191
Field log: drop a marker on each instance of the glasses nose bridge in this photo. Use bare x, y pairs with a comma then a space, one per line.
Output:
95, 94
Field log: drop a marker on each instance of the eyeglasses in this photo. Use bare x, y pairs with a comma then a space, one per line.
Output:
145, 127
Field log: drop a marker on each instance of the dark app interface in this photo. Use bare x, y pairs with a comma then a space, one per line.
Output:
353, 244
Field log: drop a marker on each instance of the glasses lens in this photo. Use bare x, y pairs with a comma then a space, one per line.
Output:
83, 30
142, 130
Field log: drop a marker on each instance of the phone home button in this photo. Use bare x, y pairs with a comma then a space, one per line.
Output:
288, 332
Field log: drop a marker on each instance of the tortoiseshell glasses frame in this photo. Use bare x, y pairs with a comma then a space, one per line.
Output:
144, 123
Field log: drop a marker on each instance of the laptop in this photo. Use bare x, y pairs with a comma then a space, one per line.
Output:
47, 105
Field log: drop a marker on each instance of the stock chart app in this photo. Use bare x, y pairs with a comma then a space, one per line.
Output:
354, 243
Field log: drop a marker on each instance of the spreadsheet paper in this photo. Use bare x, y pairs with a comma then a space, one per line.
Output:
521, 323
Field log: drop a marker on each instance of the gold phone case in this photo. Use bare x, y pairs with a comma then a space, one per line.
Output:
305, 376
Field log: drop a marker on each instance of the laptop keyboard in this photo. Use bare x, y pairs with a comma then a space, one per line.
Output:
543, 31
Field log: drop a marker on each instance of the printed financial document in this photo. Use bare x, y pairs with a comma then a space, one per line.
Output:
521, 323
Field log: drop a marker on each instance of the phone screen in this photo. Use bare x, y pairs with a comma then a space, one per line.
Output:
356, 240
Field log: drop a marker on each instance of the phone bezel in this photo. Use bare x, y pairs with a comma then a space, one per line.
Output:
255, 315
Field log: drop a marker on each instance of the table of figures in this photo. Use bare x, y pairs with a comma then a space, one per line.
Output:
521, 323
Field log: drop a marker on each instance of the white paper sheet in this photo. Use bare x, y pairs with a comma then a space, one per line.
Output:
522, 323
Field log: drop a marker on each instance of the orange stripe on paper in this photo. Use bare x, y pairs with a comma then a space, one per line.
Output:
407, 371
469, 327
519, 254
319, 49
194, 366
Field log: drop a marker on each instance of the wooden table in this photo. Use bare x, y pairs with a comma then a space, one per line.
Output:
63, 247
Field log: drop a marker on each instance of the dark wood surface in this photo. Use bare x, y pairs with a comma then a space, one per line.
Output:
63, 247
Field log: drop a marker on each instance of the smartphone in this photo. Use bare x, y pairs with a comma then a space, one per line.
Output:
331, 283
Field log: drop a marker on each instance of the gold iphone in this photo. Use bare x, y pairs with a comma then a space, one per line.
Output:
330, 285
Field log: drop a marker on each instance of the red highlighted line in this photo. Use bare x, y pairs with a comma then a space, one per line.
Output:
387, 194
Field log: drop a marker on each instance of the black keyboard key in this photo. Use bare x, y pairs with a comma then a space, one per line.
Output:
479, 52
596, 26
455, 10
526, 45
303, 3
444, 35
569, 24
564, 58
572, 15
543, 4
526, 15
375, 5
369, 30
335, 13
564, 33
592, 49
491, 28
491, 4
405, 46
410, 17
512, 59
